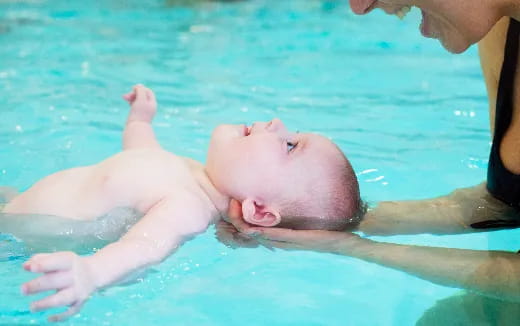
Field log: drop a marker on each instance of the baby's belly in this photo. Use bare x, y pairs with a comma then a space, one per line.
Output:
70, 193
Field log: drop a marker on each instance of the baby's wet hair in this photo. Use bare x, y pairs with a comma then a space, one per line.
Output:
336, 197
325, 223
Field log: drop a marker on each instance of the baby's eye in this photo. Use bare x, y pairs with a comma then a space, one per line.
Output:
291, 146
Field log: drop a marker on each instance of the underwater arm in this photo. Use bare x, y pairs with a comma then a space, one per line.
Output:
138, 131
451, 214
490, 273
167, 225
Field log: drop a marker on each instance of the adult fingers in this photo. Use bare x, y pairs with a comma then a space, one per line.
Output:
296, 236
243, 240
228, 235
50, 281
61, 298
74, 309
235, 217
271, 245
224, 232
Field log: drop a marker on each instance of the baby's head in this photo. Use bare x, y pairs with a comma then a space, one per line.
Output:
283, 178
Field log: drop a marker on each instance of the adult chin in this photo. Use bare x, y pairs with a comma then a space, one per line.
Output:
455, 45
455, 49
450, 38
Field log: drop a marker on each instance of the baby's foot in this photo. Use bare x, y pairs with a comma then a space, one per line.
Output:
142, 101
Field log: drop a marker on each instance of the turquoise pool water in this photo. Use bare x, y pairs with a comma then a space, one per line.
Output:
411, 118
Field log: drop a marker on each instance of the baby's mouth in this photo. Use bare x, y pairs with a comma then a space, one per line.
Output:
247, 130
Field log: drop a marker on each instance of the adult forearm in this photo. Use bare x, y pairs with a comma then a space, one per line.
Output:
414, 217
491, 273
450, 214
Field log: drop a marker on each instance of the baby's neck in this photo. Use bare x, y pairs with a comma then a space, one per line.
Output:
218, 199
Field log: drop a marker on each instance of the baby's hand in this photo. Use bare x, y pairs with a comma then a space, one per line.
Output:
66, 273
142, 101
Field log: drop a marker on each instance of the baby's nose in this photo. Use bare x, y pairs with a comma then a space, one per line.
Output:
275, 125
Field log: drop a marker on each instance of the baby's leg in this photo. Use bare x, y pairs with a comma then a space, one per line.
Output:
7, 193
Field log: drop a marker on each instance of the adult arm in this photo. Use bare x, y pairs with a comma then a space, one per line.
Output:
153, 238
456, 212
491, 273
450, 214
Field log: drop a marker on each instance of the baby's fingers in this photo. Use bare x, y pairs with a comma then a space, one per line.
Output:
61, 298
74, 309
50, 281
44, 263
150, 96
140, 92
129, 97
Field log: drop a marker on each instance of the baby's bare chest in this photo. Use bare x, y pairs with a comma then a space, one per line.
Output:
139, 179
131, 179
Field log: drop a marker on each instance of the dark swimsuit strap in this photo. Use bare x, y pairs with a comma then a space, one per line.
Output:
506, 85
496, 224
503, 117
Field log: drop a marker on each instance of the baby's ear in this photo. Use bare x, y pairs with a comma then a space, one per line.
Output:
254, 213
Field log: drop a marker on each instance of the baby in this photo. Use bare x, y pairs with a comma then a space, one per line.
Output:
282, 178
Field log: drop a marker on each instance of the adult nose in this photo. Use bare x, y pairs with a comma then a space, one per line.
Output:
361, 7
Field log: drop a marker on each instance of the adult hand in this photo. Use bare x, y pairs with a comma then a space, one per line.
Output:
316, 240
66, 273
231, 237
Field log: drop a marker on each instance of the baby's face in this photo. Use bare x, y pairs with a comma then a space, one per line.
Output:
265, 161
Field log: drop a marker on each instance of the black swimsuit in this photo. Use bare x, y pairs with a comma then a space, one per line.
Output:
501, 183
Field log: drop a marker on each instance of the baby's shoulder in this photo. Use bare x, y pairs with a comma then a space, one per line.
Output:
189, 206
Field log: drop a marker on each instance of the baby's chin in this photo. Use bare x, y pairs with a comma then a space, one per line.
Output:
229, 131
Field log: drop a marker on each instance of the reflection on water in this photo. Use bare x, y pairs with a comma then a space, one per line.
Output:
471, 309
186, 3
42, 233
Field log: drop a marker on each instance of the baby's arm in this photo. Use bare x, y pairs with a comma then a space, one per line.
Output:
167, 225
138, 131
